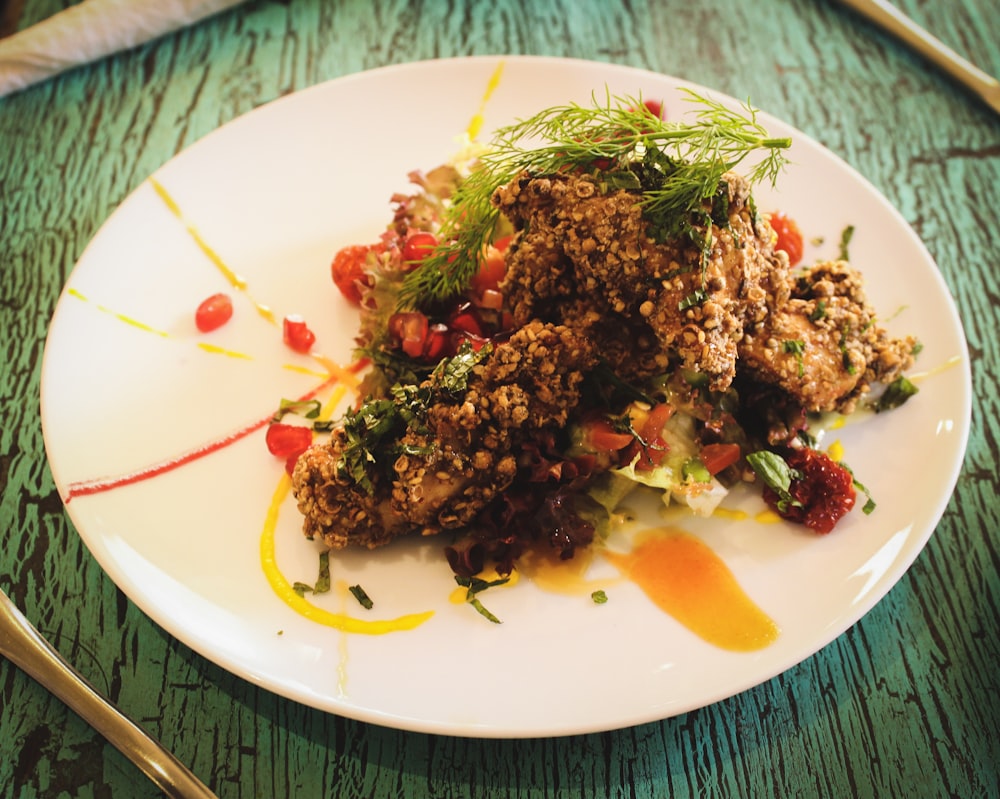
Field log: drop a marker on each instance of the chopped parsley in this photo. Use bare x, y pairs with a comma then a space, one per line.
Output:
599, 597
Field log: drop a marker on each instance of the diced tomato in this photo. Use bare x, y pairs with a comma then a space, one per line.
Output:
409, 328
213, 312
297, 334
717, 457
789, 236
418, 246
287, 440
652, 448
349, 270
491, 271
602, 436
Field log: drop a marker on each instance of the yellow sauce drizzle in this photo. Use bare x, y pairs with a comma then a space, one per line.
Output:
283, 588
731, 514
119, 316
334, 369
234, 279
767, 517
688, 581
954, 360
835, 451
476, 123
216, 350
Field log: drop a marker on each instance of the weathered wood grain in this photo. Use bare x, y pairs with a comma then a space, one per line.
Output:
903, 704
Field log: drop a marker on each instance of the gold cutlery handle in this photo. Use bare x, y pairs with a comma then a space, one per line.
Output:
891, 19
23, 646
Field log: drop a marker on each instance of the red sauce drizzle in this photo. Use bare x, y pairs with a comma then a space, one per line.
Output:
85, 488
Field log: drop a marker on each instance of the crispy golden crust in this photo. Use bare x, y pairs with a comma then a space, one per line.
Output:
529, 383
584, 259
824, 346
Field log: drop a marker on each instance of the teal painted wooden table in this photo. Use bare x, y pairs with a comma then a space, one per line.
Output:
905, 703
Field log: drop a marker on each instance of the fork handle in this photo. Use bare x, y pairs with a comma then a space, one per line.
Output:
23, 646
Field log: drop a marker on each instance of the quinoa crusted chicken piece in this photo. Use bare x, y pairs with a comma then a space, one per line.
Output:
461, 456
582, 256
824, 346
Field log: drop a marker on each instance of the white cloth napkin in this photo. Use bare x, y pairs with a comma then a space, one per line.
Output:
92, 30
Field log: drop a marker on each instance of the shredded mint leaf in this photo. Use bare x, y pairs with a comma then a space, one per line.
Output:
869, 505
475, 585
323, 581
359, 594
696, 297
776, 474
308, 408
895, 394
322, 584
845, 240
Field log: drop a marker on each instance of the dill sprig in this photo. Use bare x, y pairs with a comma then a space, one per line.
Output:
675, 167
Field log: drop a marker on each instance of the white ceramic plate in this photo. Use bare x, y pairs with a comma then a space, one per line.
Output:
275, 194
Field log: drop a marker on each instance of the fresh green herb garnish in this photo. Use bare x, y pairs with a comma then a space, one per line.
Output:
599, 597
696, 297
776, 474
475, 585
845, 355
677, 168
845, 241
322, 584
796, 347
359, 594
308, 408
818, 312
374, 430
895, 394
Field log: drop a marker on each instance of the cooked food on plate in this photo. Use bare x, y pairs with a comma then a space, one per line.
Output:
590, 303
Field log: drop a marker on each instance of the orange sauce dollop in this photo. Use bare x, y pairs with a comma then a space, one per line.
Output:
688, 581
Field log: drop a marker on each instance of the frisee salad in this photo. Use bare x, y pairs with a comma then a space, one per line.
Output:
589, 305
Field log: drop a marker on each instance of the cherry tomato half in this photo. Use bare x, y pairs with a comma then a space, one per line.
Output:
297, 334
492, 269
789, 236
213, 312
